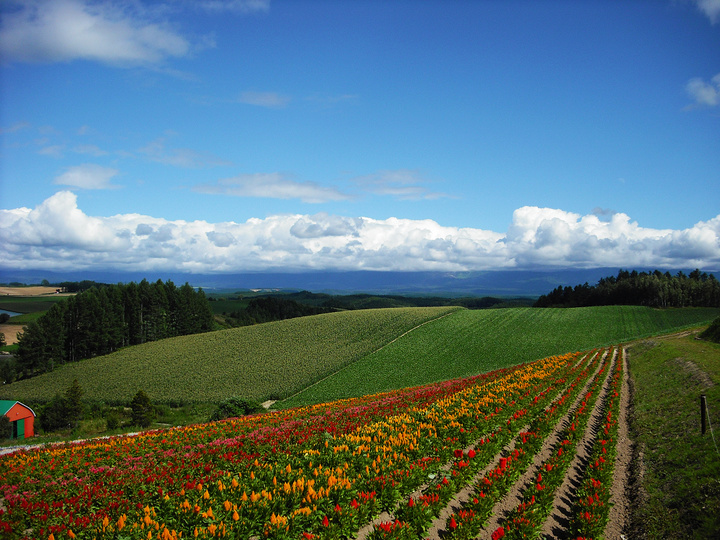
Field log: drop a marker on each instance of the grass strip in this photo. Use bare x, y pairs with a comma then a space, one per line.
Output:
678, 494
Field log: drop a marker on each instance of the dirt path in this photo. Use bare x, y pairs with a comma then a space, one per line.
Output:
619, 521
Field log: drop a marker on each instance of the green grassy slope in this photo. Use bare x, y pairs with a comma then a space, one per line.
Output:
254, 362
680, 473
471, 342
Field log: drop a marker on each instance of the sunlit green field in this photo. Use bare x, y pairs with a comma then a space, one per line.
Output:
257, 362
351, 353
472, 342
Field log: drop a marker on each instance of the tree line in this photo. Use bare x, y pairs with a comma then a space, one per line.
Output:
105, 318
266, 309
653, 289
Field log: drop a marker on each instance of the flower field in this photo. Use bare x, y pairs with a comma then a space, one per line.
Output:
483, 456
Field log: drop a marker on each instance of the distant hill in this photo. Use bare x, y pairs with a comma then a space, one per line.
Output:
485, 283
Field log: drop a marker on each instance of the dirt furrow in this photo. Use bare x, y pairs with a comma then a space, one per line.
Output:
435, 531
514, 496
557, 522
619, 520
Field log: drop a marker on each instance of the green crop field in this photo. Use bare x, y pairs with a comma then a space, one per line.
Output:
352, 353
29, 304
471, 342
256, 362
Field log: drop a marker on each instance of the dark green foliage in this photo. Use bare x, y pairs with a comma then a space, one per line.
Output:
7, 370
53, 415
652, 289
4, 317
103, 319
712, 333
5, 428
73, 404
63, 411
113, 421
235, 407
143, 412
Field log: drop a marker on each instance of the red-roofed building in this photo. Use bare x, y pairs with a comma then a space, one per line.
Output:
22, 418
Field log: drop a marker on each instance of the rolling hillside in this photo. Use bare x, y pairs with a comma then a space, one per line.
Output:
348, 353
472, 342
257, 362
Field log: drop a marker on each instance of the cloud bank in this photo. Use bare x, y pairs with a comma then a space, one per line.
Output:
64, 30
114, 32
57, 235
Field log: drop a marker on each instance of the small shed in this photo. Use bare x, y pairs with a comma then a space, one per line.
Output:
22, 418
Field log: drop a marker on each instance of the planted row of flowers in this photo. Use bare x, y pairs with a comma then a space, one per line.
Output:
475, 513
418, 511
528, 518
591, 507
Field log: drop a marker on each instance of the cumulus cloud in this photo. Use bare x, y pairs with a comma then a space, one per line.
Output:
322, 225
64, 30
704, 94
58, 235
274, 186
88, 176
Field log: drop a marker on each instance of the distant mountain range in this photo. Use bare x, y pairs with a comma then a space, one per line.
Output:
505, 283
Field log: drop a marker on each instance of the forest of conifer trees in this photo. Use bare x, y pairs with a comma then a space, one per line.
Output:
653, 289
104, 318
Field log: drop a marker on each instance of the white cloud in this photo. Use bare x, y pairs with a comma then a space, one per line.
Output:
64, 30
237, 6
17, 126
88, 176
180, 157
403, 184
57, 235
711, 8
704, 94
57, 227
90, 149
274, 186
272, 100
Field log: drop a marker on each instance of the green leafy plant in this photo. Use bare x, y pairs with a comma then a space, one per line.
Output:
143, 412
234, 407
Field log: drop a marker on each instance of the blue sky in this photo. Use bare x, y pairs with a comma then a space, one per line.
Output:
237, 135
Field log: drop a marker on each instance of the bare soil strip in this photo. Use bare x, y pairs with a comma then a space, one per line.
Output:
619, 519
514, 497
557, 522
435, 531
